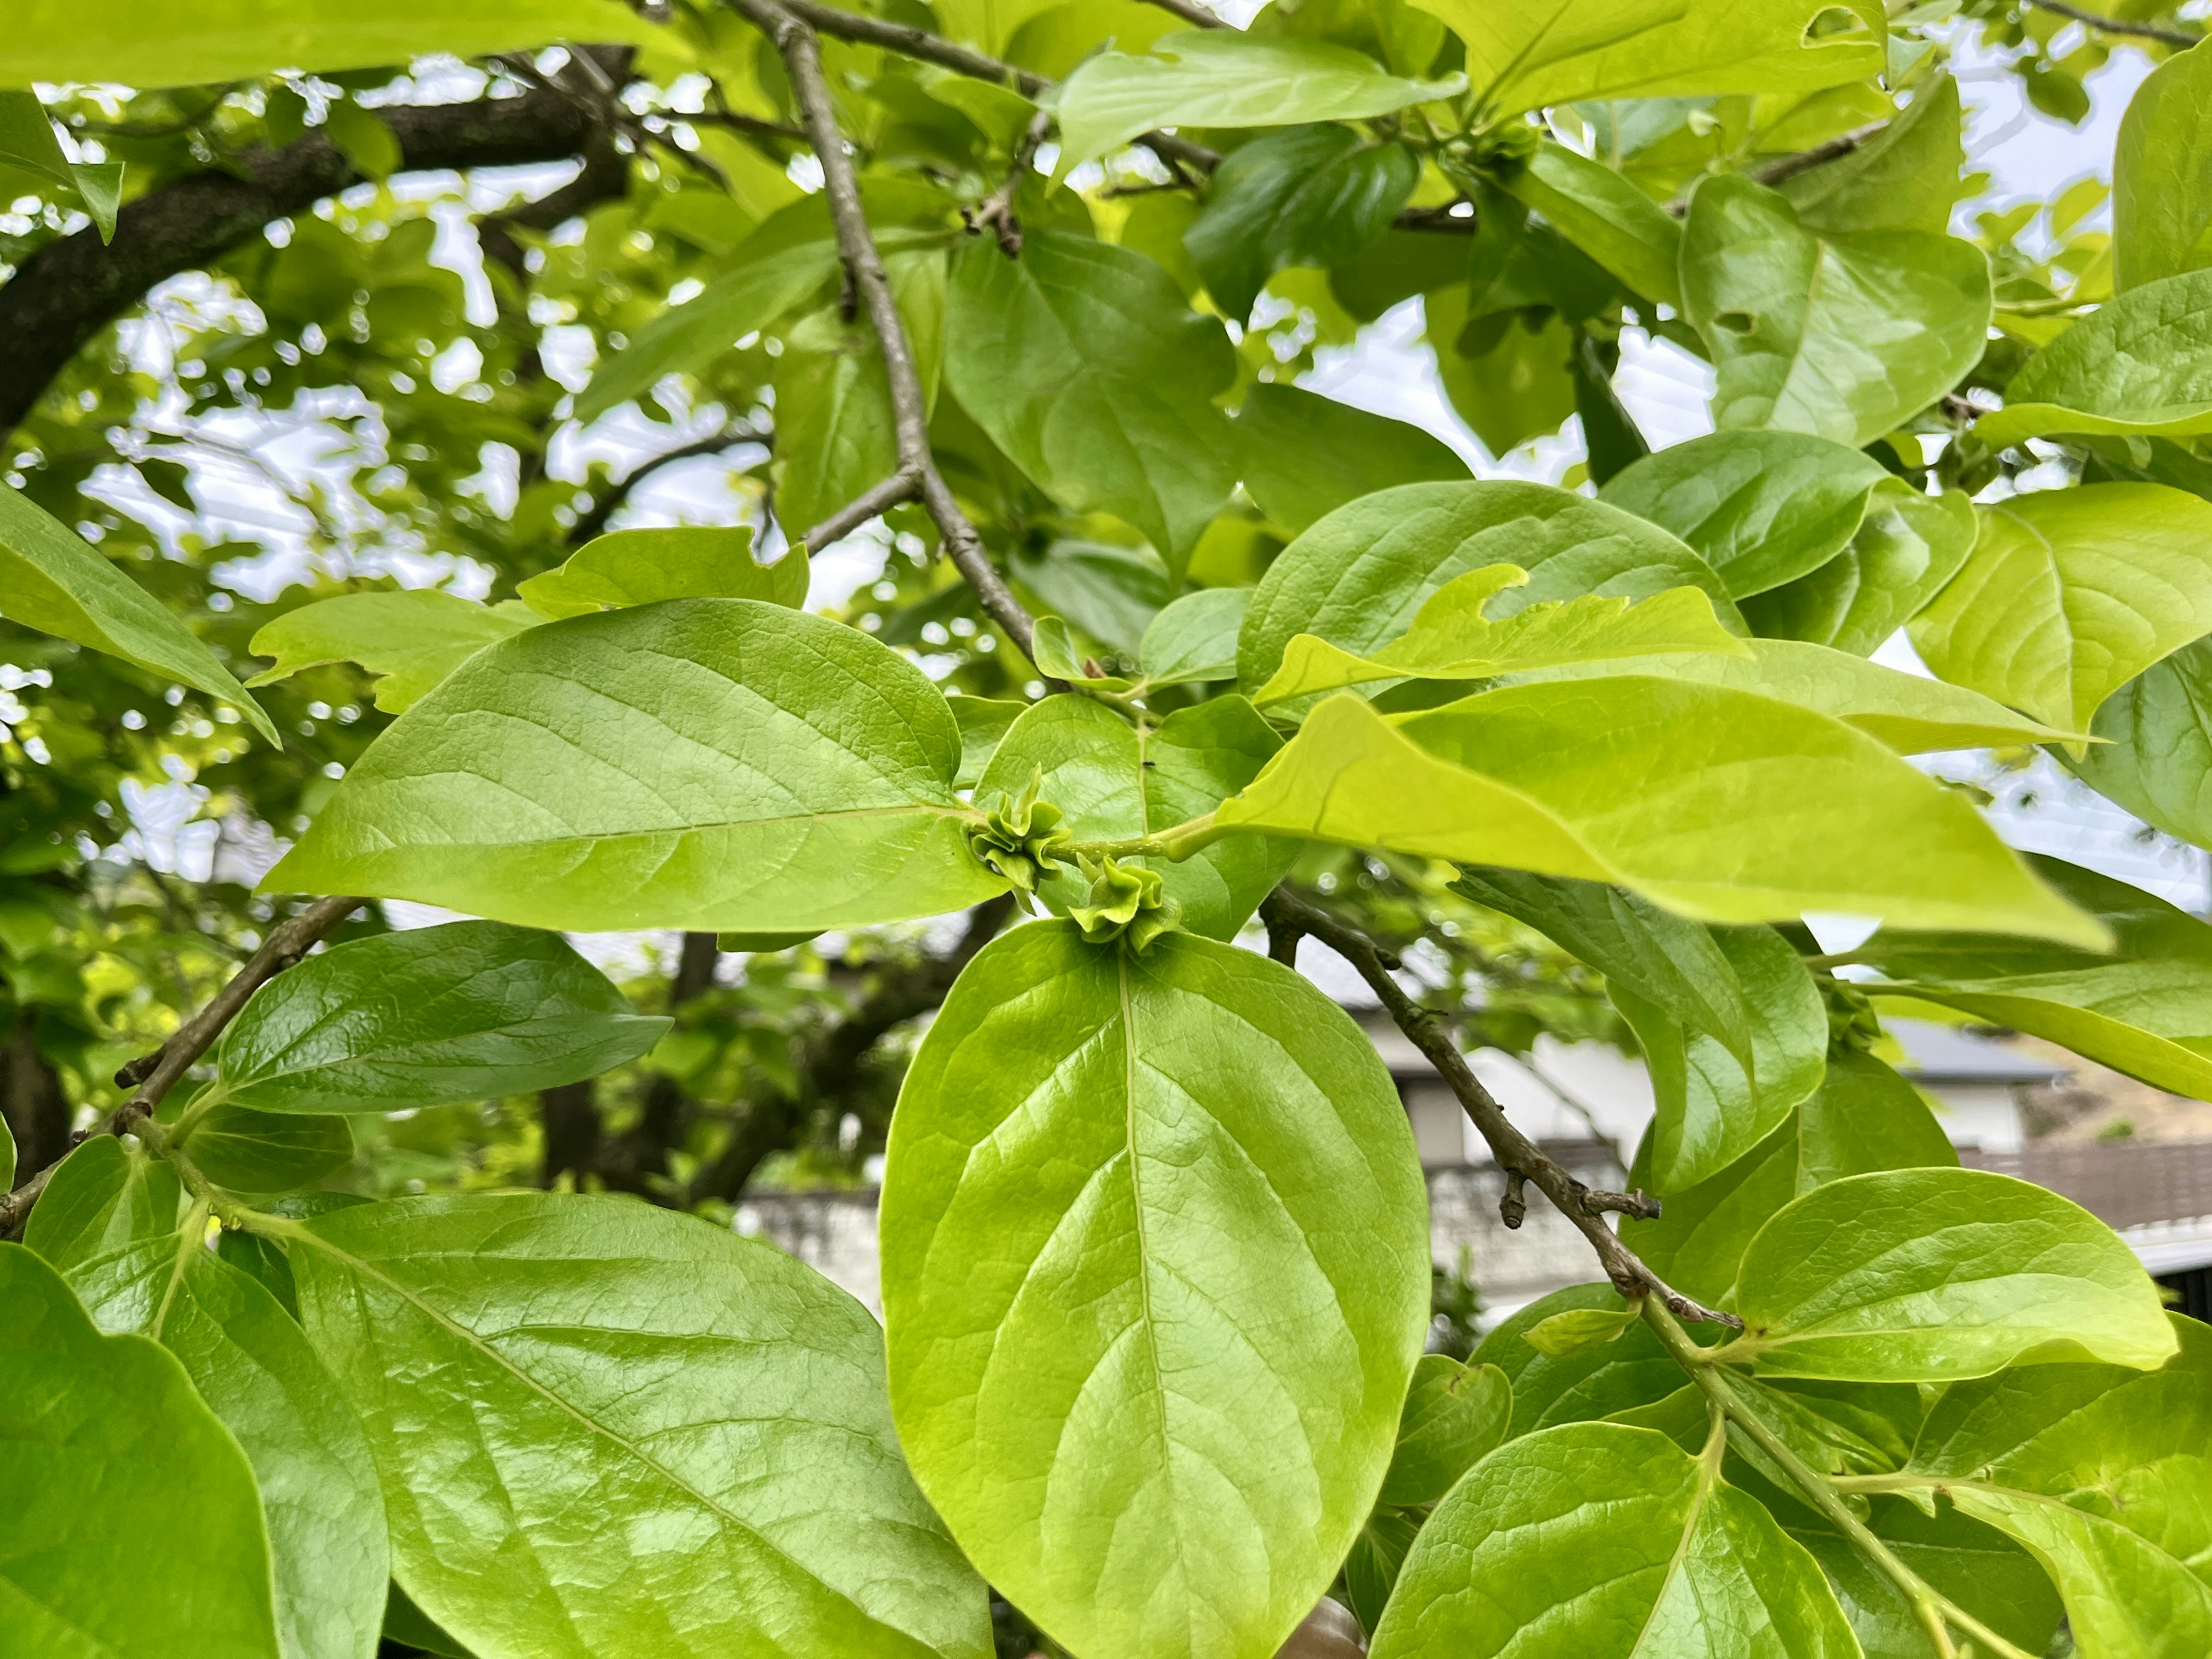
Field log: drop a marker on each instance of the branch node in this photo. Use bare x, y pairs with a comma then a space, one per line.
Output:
1513, 1204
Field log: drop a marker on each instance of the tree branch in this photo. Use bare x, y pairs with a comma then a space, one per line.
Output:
594, 523
1191, 13
802, 56
1519, 1157
2180, 39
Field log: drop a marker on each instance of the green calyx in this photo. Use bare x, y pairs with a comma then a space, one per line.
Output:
1126, 902
1852, 1022
1022, 838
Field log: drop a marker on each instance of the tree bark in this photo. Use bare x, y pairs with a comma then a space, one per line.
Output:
32, 1101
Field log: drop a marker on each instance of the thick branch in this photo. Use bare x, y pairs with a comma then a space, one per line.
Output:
1519, 1157
69, 290
802, 56
2177, 37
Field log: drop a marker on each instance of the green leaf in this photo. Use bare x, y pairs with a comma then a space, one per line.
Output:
700, 764
983, 723
1194, 639
1906, 712
363, 139
1931, 1275
2156, 760
1224, 78
1863, 1118
1454, 1416
1907, 547
251, 1151
1155, 1273
1555, 51
764, 288
27, 142
1111, 593
1305, 195
468, 1010
1721, 805
640, 567
2139, 365
107, 1195
2161, 200
409, 1626
1845, 335
1359, 577
1904, 177
1630, 1371
1114, 782
2101, 1473
1303, 455
1370, 1571
1976, 1567
1605, 215
619, 1433
2070, 593
1451, 639
1762, 508
1613, 1542
1578, 1330
132, 1527
245, 39
1083, 363
7, 1157
257, 1371
2149, 1020
410, 640
52, 579
1508, 372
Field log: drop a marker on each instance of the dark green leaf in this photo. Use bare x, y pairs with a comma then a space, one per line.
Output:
1630, 1371
1907, 547
1904, 177
251, 1151
1606, 217
1453, 1415
1304, 455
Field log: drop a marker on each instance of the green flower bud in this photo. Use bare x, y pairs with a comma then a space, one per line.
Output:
1023, 838
1127, 902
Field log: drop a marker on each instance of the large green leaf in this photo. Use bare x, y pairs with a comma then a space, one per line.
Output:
409, 640
1195, 638
1613, 1542
1907, 547
1632, 1371
52, 580
1607, 216
1306, 195
246, 39
1762, 508
1904, 177
1155, 1272
1359, 577
468, 1010
1112, 781
109, 1194
2156, 758
1843, 334
700, 763
1863, 1118
132, 1528
1720, 804
1222, 78
1451, 639
640, 567
1455, 1414
252, 1151
257, 1371
1931, 1275
1303, 455
1553, 51
2162, 174
605, 1431
2137, 366
2070, 593
2102, 1473
1083, 363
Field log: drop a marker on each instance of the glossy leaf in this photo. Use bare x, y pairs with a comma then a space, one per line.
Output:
2162, 198
639, 567
1195, 637
468, 1010
1845, 335
51, 579
1614, 1542
27, 142
109, 1194
1765, 807
1155, 1273
1577, 1330
1451, 639
1223, 78
983, 723
1630, 1371
2137, 366
251, 1151
1305, 195
1082, 363
1359, 577
703, 763
1607, 216
1455, 1414
99, 1436
257, 1371
1931, 1275
1907, 547
409, 640
1763, 509
1863, 1118
2149, 1020
2156, 758
1114, 782
1904, 177
1303, 455
2070, 594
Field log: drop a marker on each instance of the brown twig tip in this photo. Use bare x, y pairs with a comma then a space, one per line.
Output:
1513, 1203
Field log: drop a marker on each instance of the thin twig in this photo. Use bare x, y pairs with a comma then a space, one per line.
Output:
893, 491
1521, 1158
736, 122
1191, 13
594, 523
1819, 155
995, 213
2176, 38
801, 48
